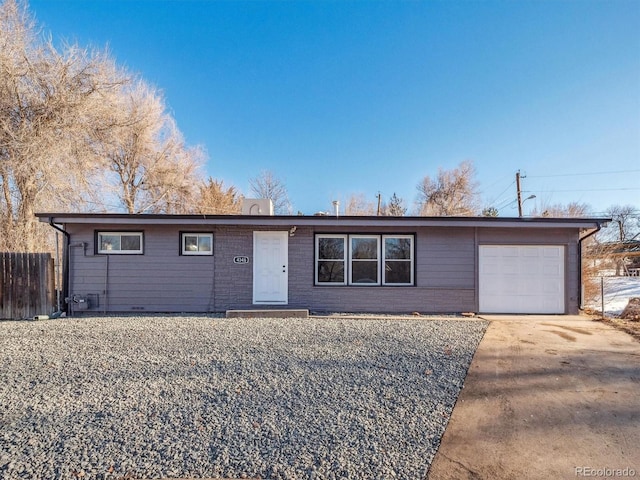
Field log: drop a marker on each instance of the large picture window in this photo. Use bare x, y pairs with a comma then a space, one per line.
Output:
364, 260
196, 243
121, 243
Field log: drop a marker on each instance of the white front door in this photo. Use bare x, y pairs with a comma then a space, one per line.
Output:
270, 267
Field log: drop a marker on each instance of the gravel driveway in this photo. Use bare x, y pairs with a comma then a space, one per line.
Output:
162, 397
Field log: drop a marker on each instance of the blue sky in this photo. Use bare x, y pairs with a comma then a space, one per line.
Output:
341, 98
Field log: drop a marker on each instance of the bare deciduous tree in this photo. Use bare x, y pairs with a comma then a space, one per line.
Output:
607, 247
267, 185
572, 209
150, 168
452, 193
217, 199
625, 224
48, 100
71, 122
358, 205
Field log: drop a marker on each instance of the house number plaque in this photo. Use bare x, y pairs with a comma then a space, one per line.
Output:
240, 260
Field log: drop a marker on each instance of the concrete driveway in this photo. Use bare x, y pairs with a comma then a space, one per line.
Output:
546, 397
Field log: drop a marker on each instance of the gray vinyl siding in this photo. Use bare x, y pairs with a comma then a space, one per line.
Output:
444, 277
445, 258
162, 280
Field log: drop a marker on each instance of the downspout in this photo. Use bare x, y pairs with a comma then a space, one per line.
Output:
582, 239
65, 268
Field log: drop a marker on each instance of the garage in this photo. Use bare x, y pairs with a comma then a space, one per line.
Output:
521, 279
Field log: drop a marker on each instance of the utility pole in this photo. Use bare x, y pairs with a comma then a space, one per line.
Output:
519, 193
379, 202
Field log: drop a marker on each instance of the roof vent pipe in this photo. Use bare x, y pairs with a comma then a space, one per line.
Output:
336, 205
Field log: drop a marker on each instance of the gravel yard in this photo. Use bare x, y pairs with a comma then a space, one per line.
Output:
167, 397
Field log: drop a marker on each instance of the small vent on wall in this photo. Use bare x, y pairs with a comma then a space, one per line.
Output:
257, 206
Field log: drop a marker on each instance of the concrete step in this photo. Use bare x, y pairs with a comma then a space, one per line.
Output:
268, 313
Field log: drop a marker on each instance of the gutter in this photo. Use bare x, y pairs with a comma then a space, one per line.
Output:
65, 269
582, 239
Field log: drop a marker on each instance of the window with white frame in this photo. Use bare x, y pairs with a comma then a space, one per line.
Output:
364, 259
364, 255
196, 243
120, 243
331, 259
397, 257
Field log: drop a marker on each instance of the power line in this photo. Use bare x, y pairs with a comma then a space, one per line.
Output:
505, 203
583, 174
497, 197
583, 190
500, 180
512, 202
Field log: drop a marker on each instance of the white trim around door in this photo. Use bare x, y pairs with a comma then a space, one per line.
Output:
271, 268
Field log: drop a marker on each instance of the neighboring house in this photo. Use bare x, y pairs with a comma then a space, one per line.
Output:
212, 263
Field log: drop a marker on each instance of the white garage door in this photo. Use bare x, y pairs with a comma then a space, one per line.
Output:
521, 279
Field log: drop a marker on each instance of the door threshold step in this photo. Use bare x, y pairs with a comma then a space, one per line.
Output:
268, 313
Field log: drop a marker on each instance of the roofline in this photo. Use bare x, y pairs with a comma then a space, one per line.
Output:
318, 220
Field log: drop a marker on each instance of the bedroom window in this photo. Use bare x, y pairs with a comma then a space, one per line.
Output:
196, 243
120, 243
364, 260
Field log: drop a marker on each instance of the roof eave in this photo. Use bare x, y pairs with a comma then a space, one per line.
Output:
319, 221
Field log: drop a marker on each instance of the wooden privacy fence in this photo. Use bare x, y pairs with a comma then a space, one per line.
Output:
27, 285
